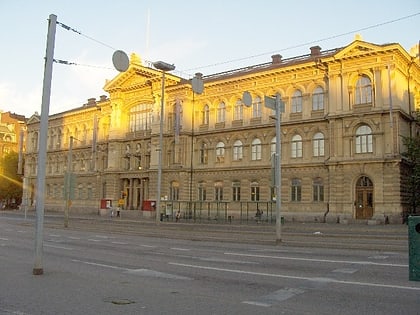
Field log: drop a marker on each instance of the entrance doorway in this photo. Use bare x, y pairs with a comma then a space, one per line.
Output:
364, 198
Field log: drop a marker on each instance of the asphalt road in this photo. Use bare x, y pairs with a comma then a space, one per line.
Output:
128, 267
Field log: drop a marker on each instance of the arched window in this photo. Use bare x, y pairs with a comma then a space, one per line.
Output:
364, 140
220, 152
238, 112
296, 146
237, 150
297, 102
205, 115
363, 93
256, 149
318, 144
256, 107
221, 112
318, 99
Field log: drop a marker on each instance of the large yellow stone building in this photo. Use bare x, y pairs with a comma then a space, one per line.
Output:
346, 111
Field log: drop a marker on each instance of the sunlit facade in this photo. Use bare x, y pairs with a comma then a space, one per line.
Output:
346, 111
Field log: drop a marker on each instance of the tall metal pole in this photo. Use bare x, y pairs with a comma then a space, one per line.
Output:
163, 66
42, 155
159, 179
278, 169
68, 183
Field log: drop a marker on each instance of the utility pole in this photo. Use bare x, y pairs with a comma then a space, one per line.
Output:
42, 156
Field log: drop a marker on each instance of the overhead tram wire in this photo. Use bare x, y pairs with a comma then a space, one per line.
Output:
70, 63
68, 28
306, 44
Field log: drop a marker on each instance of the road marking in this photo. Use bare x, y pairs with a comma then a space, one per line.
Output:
257, 303
93, 240
141, 272
180, 249
345, 270
119, 243
320, 260
317, 279
148, 246
54, 235
100, 265
59, 247
3, 239
74, 238
155, 274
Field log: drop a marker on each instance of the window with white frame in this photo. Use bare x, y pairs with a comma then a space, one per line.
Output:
318, 190
318, 99
236, 191
221, 113
205, 115
297, 146
140, 117
255, 191
220, 152
296, 190
238, 111
237, 150
203, 153
256, 149
257, 107
273, 146
218, 191
363, 91
297, 102
318, 144
364, 139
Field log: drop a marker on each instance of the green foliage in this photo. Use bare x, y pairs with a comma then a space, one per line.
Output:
413, 156
10, 181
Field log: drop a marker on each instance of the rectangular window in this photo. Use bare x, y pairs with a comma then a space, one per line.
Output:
255, 193
218, 193
236, 192
296, 190
201, 193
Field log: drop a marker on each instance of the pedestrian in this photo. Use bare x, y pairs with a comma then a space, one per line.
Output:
178, 216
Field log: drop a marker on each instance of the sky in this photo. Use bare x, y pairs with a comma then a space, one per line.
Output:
194, 35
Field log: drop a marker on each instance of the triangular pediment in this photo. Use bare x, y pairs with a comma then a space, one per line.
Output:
137, 75
35, 118
359, 48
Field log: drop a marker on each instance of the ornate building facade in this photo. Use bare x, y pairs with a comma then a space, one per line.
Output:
346, 111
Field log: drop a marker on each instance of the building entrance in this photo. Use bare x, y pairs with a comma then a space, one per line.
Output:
364, 198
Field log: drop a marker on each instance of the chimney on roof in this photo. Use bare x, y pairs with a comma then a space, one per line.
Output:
91, 101
276, 58
315, 51
102, 98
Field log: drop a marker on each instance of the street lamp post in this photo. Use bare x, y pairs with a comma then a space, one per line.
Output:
164, 67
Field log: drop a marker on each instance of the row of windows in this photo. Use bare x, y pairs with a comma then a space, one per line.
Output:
254, 191
363, 143
141, 116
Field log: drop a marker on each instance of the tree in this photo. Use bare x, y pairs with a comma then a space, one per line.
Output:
10, 181
413, 158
